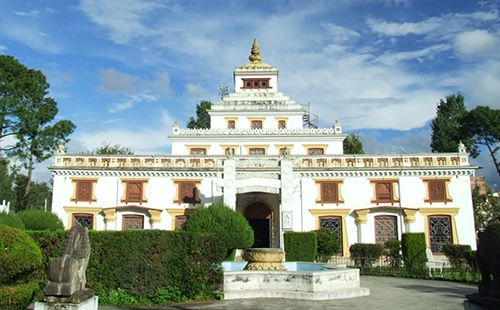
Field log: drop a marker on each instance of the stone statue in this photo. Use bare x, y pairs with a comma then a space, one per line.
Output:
67, 273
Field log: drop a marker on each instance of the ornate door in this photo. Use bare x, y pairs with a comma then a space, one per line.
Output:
133, 222
333, 223
386, 228
439, 232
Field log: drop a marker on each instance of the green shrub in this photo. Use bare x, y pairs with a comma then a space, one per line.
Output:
392, 250
413, 247
40, 220
17, 297
300, 246
225, 223
365, 254
327, 244
19, 255
11, 220
457, 254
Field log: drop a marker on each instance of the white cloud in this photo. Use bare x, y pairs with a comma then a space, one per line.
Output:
403, 29
481, 84
421, 54
478, 43
122, 18
131, 101
339, 33
32, 13
3, 49
30, 36
197, 91
114, 81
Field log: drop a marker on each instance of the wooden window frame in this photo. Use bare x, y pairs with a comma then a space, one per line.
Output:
127, 199
74, 215
256, 148
76, 189
231, 124
280, 122
452, 230
394, 217
256, 83
255, 121
198, 151
322, 185
179, 188
311, 149
428, 187
393, 191
125, 216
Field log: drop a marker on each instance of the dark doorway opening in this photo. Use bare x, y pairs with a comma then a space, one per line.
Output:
259, 217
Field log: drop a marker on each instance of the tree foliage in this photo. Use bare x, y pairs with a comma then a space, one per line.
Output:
202, 118
27, 114
112, 149
353, 144
486, 208
446, 127
482, 126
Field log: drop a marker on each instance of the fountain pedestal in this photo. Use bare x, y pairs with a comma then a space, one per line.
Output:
264, 259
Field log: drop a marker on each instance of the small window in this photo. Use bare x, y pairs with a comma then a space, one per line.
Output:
284, 151
440, 232
386, 228
437, 191
255, 83
134, 191
84, 219
316, 151
384, 191
198, 151
231, 124
229, 151
188, 193
256, 124
84, 190
281, 124
329, 192
180, 221
257, 151
132, 222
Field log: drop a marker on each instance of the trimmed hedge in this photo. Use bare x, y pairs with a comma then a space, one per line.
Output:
327, 244
392, 249
300, 246
11, 220
147, 266
457, 254
365, 254
17, 297
19, 255
40, 220
413, 247
229, 226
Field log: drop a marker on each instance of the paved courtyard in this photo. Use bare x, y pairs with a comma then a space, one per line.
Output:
386, 293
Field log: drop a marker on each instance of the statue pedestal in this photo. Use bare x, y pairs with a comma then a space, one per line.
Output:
88, 304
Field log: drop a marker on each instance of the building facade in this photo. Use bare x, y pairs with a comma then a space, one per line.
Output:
262, 158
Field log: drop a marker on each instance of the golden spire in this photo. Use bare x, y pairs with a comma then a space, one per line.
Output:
255, 55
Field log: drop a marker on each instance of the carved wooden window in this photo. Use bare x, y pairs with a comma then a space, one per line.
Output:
256, 124
255, 83
188, 193
329, 192
231, 124
333, 223
84, 190
315, 151
134, 191
84, 219
132, 222
257, 151
384, 191
386, 228
281, 124
440, 232
229, 151
180, 221
437, 191
198, 151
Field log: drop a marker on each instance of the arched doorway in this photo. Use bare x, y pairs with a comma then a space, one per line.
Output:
259, 216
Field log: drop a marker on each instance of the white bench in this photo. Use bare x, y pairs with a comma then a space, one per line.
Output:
433, 263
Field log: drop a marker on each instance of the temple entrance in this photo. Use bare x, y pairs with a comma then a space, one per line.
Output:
259, 216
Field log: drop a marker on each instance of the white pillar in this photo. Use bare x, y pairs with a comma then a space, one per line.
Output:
286, 211
229, 197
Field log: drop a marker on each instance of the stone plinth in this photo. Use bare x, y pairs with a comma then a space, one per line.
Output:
264, 259
88, 304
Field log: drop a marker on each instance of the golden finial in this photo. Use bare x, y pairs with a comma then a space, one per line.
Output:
255, 55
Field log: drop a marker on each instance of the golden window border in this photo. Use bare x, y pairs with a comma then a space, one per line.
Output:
256, 146
342, 213
227, 119
189, 147
177, 182
318, 183
70, 210
124, 192
451, 212
447, 181
394, 186
225, 146
74, 182
281, 118
312, 146
174, 212
278, 147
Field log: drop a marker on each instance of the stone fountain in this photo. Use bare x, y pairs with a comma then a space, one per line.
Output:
267, 276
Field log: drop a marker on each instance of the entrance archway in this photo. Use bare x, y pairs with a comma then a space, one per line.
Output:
259, 216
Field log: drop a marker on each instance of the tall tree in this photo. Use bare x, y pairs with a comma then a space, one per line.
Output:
29, 116
6, 182
482, 125
486, 207
202, 118
112, 149
353, 145
446, 134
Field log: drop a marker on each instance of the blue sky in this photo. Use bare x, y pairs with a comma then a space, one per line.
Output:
123, 71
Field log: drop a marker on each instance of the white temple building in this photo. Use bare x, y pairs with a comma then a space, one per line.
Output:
260, 158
